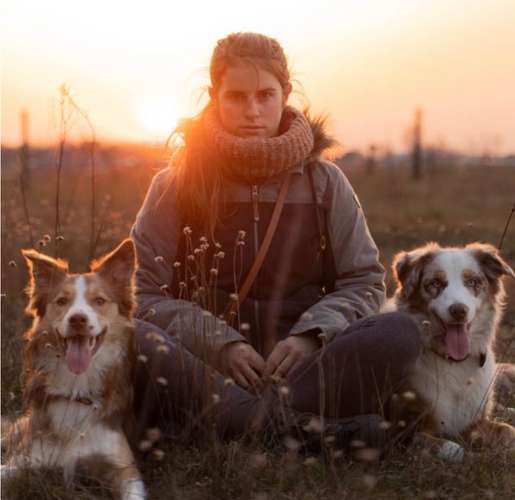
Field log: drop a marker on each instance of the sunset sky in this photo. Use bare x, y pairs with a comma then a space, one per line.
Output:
136, 67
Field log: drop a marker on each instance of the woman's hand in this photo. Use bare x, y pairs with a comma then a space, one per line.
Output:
288, 352
241, 362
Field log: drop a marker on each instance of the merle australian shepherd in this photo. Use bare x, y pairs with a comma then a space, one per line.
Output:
77, 366
456, 295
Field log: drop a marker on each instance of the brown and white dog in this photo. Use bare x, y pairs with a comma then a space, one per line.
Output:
78, 366
456, 295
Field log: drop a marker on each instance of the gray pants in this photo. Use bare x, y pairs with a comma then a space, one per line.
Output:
355, 374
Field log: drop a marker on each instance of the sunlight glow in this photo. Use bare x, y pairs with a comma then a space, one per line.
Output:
157, 118
367, 63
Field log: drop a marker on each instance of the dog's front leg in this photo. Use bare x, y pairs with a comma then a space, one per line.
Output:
493, 433
127, 476
505, 382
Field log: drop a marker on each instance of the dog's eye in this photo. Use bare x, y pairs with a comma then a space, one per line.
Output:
436, 283
99, 301
61, 301
473, 282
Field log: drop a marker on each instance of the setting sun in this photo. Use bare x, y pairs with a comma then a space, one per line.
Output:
157, 119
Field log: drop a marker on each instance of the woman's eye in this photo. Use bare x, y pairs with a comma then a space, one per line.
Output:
266, 94
235, 96
100, 301
61, 301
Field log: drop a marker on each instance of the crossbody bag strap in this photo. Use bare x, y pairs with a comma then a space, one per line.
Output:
263, 249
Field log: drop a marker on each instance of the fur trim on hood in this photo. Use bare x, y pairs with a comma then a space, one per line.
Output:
322, 139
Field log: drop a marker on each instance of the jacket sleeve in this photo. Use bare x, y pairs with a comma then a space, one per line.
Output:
359, 288
156, 235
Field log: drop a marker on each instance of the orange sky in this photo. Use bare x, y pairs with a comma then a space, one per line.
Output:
138, 66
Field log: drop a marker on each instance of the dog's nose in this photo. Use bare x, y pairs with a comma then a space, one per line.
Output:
78, 321
459, 311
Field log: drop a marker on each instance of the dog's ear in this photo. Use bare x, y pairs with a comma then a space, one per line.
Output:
407, 267
117, 268
490, 261
405, 273
44, 274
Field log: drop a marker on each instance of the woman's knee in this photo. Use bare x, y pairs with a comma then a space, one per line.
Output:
148, 337
394, 336
143, 329
402, 331
153, 351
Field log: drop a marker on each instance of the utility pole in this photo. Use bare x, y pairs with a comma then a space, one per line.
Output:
371, 160
24, 169
416, 155
24, 149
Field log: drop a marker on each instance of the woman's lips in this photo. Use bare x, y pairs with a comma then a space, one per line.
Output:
252, 130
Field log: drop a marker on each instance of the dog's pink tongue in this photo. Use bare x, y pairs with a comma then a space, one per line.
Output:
457, 342
78, 354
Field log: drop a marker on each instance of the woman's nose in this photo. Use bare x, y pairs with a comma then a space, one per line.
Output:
252, 108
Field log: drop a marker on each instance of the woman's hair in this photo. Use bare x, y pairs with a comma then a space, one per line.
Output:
194, 172
257, 50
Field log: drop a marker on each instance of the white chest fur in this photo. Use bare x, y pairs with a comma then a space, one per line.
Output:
459, 394
71, 417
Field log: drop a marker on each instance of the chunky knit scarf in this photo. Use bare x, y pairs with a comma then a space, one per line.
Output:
256, 159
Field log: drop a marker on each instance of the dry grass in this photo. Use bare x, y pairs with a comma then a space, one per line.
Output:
450, 206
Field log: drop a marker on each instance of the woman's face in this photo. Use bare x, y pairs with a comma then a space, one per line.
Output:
250, 102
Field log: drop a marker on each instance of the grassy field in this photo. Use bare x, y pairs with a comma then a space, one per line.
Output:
453, 206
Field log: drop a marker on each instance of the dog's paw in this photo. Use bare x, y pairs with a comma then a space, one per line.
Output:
7, 471
451, 452
133, 489
446, 450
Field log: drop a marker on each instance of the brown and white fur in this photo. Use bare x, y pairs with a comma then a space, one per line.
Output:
456, 295
78, 365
